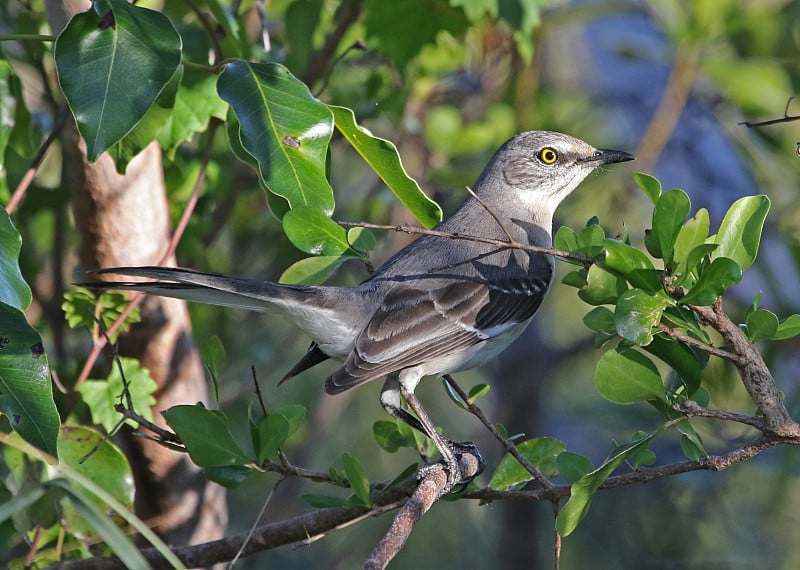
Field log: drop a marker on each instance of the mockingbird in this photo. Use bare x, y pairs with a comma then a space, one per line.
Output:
439, 305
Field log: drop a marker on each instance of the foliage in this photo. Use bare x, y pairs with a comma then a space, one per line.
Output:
131, 75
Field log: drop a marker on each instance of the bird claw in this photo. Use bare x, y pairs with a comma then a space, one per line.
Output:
452, 466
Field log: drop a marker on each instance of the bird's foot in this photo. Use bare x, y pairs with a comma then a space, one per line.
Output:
458, 463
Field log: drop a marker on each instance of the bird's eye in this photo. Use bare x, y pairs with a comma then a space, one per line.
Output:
547, 155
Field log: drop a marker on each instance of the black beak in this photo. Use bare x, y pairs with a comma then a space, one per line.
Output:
609, 156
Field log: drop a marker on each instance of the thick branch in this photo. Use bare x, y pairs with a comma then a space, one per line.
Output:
755, 375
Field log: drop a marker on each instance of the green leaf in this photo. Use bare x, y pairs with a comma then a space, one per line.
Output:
740, 232
669, 214
26, 394
99, 460
206, 435
565, 239
112, 66
358, 480
762, 325
272, 431
632, 264
14, 291
401, 29
788, 328
312, 270
573, 466
384, 160
541, 452
295, 414
680, 357
650, 185
284, 127
627, 377
361, 239
576, 278
583, 489
600, 319
148, 126
311, 231
81, 305
590, 240
690, 448
228, 475
693, 233
101, 395
196, 102
478, 391
102, 524
722, 274
636, 314
694, 260
602, 287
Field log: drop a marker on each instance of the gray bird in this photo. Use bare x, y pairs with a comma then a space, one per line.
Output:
437, 306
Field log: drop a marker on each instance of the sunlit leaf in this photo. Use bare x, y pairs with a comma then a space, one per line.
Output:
739, 235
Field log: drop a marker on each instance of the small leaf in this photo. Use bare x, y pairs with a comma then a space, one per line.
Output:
600, 319
632, 264
690, 448
788, 328
573, 466
101, 395
583, 490
478, 391
565, 239
627, 377
762, 325
384, 160
668, 216
361, 239
590, 240
358, 480
717, 278
576, 278
272, 431
311, 231
541, 452
739, 235
602, 287
649, 185
228, 475
206, 435
312, 270
693, 233
680, 357
636, 314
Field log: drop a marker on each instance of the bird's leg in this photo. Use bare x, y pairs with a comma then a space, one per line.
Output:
450, 450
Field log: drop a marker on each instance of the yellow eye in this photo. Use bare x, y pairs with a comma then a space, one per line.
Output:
548, 155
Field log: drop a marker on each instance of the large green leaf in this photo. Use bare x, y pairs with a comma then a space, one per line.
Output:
312, 270
382, 156
310, 230
113, 62
14, 290
26, 395
541, 452
739, 234
628, 376
584, 488
680, 357
284, 127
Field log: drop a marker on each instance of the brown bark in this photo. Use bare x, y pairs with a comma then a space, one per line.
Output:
124, 220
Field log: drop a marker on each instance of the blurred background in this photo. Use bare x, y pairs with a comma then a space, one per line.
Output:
671, 81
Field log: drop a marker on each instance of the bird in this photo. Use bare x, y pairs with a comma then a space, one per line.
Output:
439, 305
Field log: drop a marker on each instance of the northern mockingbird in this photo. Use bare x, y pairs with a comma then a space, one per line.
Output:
439, 305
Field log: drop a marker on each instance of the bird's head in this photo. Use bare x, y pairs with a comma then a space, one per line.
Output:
544, 167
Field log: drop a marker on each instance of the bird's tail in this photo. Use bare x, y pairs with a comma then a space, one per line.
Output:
200, 287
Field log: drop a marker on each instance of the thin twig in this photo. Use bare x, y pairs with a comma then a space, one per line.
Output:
507, 443
416, 230
485, 206
280, 480
30, 173
785, 119
692, 408
686, 339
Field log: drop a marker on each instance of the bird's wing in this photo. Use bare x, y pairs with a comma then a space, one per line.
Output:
416, 325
